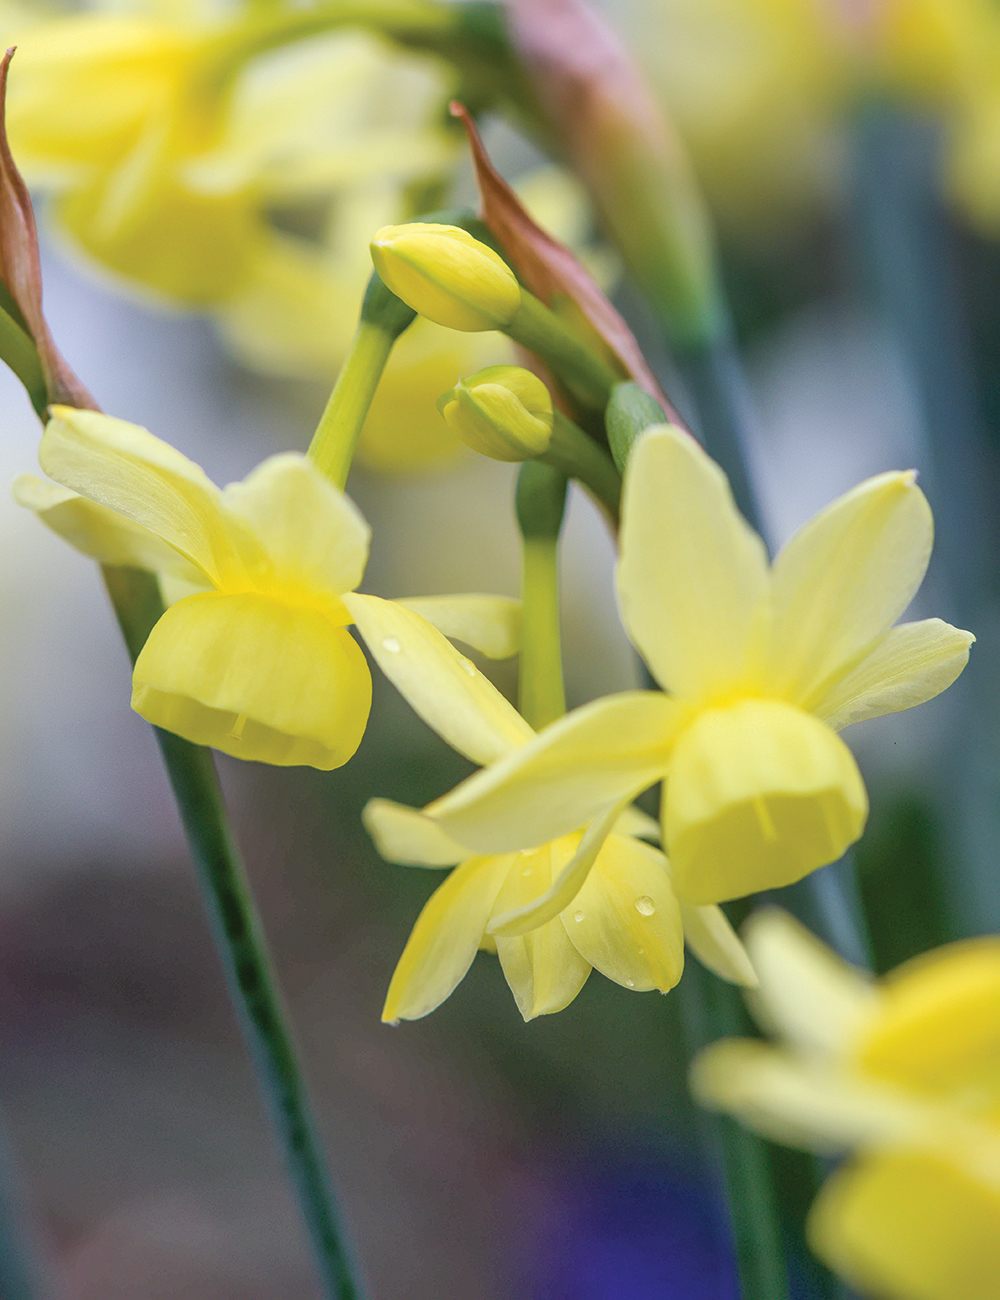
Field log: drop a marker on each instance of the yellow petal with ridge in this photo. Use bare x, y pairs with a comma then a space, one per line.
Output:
692, 575
543, 969
490, 624
816, 1002
572, 772
759, 794
910, 1224
447, 690
255, 678
406, 836
843, 580
314, 536
445, 939
101, 533
124, 468
911, 664
625, 919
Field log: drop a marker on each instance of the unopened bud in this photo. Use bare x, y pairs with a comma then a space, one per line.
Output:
504, 412
447, 276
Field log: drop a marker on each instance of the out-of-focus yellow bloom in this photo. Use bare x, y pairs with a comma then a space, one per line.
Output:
187, 166
624, 921
763, 91
504, 412
259, 663
763, 666
445, 274
906, 1074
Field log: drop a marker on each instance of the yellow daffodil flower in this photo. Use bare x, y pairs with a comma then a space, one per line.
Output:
171, 147
259, 663
761, 666
905, 1073
624, 921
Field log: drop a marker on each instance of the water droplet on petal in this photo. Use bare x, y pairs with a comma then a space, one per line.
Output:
630, 984
645, 905
392, 645
469, 667
526, 871
394, 1024
578, 917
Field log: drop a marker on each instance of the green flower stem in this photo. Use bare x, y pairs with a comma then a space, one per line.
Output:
136, 598
541, 501
712, 1009
579, 457
587, 376
383, 319
630, 412
17, 349
22, 1276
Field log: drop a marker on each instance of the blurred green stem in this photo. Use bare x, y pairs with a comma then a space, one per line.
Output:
540, 501
136, 598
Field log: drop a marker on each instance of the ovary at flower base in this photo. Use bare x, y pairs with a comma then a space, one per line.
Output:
258, 661
761, 665
612, 907
904, 1074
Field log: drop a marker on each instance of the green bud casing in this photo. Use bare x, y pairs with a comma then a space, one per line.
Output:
445, 274
504, 412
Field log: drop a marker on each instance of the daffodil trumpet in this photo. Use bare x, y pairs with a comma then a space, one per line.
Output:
762, 666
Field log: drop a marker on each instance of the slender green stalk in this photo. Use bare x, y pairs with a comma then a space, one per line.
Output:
136, 598
383, 319
587, 376
541, 500
579, 457
22, 1276
712, 1009
340, 425
17, 349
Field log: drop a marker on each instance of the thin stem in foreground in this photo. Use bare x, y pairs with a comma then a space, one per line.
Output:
239, 937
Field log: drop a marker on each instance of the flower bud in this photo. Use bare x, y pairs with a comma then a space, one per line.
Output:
504, 412
446, 275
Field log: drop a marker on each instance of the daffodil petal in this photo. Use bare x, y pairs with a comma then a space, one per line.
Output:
490, 624
126, 469
255, 678
844, 579
564, 887
714, 942
441, 685
638, 824
692, 574
543, 969
790, 1101
938, 1022
911, 664
407, 836
101, 533
572, 772
445, 939
313, 534
759, 794
807, 995
625, 919
910, 1223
